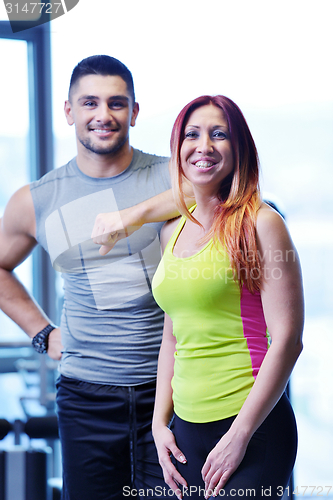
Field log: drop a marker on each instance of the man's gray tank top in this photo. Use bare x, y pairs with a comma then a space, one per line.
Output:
111, 326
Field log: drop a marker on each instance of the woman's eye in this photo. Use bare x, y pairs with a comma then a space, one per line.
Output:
191, 135
219, 134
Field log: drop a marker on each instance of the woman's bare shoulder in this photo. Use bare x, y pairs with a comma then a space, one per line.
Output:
268, 218
271, 229
167, 231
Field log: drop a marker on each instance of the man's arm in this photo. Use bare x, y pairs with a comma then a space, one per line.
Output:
17, 240
114, 226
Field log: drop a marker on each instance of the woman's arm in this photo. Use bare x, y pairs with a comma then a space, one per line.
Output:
163, 410
114, 226
282, 299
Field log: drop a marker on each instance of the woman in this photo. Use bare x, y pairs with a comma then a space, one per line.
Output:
228, 276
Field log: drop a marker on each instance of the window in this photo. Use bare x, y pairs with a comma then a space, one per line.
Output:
29, 103
14, 148
28, 144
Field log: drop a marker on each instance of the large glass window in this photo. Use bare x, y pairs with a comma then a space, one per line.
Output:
295, 145
14, 148
26, 87
26, 154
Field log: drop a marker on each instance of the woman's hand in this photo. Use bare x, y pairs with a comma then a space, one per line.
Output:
111, 227
166, 446
222, 462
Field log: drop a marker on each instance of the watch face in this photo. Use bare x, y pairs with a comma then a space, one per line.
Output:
39, 343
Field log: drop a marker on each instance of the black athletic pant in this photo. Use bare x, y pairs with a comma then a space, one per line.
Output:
108, 450
267, 464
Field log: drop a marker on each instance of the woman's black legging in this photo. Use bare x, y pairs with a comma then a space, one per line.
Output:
267, 464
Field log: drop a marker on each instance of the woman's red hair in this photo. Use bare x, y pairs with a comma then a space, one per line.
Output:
235, 216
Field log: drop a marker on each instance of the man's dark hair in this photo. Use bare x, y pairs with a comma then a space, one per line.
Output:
105, 66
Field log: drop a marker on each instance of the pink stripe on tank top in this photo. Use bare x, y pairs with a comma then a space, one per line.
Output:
254, 328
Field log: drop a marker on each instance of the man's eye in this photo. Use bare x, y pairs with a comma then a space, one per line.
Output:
89, 104
116, 105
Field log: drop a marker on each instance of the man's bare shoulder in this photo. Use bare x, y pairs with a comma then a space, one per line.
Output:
17, 229
19, 214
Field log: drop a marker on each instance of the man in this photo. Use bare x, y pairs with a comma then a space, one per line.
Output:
111, 327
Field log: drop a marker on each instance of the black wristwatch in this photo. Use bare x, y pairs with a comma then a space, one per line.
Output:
40, 342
